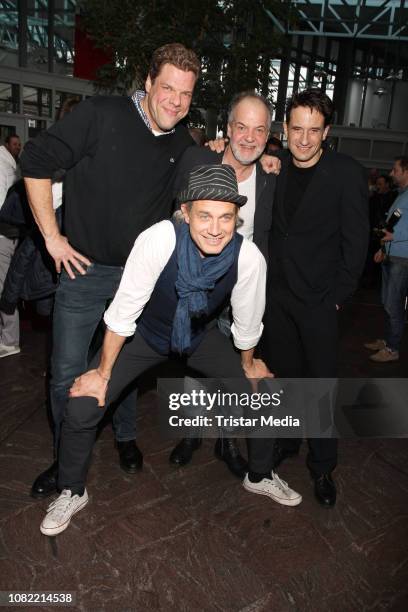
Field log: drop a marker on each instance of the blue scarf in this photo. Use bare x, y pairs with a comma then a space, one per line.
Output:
196, 276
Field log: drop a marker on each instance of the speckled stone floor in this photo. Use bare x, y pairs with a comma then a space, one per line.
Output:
192, 539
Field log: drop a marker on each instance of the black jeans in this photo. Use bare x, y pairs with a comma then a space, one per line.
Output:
215, 357
301, 341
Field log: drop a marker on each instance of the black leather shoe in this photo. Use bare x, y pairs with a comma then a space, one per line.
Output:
46, 483
130, 457
183, 452
325, 490
280, 454
227, 450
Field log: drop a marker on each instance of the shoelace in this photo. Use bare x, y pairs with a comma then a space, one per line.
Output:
62, 504
282, 484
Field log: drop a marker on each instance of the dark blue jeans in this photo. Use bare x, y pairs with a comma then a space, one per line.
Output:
79, 307
394, 292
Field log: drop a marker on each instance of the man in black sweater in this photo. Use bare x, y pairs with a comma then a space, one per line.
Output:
120, 155
318, 246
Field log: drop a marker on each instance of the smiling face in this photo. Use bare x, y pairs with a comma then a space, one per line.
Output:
305, 133
168, 97
212, 224
248, 130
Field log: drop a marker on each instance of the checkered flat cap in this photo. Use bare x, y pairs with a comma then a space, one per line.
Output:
212, 182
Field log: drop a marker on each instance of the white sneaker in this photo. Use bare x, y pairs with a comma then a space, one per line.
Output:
61, 510
375, 345
275, 488
385, 355
6, 350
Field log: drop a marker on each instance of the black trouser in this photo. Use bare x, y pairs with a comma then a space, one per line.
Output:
215, 357
300, 341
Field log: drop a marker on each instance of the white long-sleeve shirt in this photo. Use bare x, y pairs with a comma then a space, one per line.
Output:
150, 254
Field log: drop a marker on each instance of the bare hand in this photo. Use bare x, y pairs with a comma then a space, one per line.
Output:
379, 256
271, 164
387, 236
63, 253
256, 370
218, 145
90, 384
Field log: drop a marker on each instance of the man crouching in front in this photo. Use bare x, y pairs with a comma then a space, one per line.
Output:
175, 273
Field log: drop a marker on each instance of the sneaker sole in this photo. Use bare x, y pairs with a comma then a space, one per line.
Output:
16, 352
279, 500
390, 360
56, 530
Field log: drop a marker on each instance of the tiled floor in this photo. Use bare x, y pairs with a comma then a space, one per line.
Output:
193, 539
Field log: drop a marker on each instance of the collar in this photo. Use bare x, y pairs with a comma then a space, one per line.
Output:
137, 98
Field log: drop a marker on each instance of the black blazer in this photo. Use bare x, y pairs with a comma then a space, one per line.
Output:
322, 251
265, 189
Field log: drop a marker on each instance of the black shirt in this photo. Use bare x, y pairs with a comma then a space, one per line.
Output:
297, 183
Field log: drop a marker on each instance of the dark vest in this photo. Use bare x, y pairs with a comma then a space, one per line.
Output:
156, 322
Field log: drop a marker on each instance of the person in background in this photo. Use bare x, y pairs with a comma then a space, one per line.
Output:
273, 145
394, 259
9, 235
198, 135
380, 202
32, 275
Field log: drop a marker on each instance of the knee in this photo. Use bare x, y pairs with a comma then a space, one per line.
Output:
82, 413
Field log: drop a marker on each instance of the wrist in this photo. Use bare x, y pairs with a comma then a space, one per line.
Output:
52, 235
104, 375
247, 364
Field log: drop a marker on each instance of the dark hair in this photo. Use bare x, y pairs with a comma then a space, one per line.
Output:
315, 99
66, 107
243, 95
177, 55
274, 141
198, 135
386, 178
403, 162
10, 136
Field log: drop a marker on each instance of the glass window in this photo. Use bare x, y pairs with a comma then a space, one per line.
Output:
9, 25
64, 28
36, 101
9, 98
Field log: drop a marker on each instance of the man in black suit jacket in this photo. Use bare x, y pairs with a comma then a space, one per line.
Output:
249, 121
317, 250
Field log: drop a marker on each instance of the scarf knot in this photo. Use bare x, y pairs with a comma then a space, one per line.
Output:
196, 277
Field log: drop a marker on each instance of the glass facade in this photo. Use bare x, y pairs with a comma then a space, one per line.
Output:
9, 98
37, 101
25, 28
